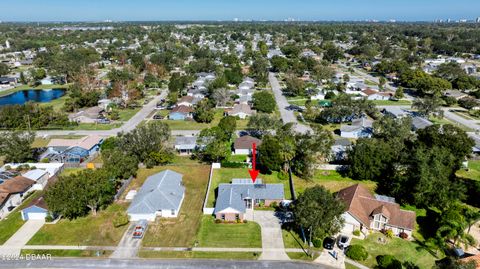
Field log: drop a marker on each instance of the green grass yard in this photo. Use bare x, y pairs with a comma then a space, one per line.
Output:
68, 253
403, 250
332, 180
10, 225
392, 103
235, 235
473, 171
292, 240
90, 230
128, 113
198, 255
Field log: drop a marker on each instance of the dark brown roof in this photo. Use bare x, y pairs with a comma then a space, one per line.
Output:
182, 109
39, 202
362, 205
245, 142
16, 185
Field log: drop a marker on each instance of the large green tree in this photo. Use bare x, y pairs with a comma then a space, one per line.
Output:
264, 101
147, 138
204, 112
16, 146
119, 164
76, 194
319, 212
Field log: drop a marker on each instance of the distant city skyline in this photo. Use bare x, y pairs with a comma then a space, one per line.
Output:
229, 10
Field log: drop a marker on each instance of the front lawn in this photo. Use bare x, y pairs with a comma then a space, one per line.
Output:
403, 250
292, 240
473, 171
128, 113
198, 255
181, 231
235, 235
90, 230
67, 253
9, 226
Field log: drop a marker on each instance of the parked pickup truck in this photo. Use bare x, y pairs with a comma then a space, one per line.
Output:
140, 229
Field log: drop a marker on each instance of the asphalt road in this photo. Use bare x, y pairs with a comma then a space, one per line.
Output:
157, 264
287, 115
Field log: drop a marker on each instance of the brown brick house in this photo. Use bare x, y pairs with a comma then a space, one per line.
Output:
366, 211
233, 200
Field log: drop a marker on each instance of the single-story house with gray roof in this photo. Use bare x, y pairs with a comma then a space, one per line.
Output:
161, 195
185, 144
233, 200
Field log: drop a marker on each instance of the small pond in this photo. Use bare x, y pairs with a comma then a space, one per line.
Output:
40, 96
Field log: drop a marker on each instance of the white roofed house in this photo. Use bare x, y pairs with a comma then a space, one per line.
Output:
161, 195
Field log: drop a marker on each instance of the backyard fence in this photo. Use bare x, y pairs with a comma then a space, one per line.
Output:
122, 189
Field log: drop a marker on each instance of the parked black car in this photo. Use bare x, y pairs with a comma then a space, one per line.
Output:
329, 243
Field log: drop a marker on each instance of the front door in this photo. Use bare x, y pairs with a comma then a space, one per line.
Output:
248, 203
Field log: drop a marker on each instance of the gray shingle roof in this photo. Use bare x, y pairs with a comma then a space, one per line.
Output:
232, 195
186, 142
163, 190
420, 123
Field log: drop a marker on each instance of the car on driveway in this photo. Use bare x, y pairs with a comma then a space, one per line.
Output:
329, 243
343, 241
140, 228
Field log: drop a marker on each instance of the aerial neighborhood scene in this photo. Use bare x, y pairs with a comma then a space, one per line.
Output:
240, 134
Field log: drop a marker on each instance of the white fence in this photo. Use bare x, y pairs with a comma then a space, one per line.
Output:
209, 210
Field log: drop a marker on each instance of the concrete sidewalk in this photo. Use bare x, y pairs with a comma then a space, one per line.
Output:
14, 245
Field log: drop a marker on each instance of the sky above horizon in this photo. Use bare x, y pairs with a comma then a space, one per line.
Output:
147, 10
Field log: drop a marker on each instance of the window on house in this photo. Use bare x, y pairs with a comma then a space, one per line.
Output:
379, 222
237, 216
173, 212
223, 216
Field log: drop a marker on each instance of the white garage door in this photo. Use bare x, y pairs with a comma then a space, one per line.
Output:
37, 216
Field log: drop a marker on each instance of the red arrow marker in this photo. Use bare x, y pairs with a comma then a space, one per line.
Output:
254, 172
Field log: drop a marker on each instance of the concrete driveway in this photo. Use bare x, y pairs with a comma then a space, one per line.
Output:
14, 244
272, 240
128, 246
